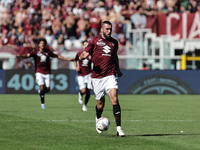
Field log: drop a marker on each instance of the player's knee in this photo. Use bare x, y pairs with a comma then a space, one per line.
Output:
100, 106
114, 100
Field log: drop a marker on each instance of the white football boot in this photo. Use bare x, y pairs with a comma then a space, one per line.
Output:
96, 127
80, 98
43, 106
84, 108
120, 132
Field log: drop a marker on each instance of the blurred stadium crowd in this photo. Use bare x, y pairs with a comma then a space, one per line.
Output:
22, 22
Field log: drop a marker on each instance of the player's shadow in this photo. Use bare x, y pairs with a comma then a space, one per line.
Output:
151, 135
163, 134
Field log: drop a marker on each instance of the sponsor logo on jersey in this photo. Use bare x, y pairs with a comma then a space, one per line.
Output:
107, 50
101, 43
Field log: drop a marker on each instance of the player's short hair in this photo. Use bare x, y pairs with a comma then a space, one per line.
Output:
84, 41
42, 39
106, 22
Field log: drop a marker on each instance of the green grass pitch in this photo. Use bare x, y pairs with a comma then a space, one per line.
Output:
151, 122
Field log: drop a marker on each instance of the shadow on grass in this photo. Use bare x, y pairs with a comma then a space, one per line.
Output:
162, 134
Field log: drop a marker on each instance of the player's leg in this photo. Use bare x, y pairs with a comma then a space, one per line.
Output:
99, 110
98, 88
112, 89
40, 80
87, 97
116, 111
82, 87
87, 80
100, 106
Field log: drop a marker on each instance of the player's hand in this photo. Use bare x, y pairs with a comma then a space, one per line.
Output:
119, 73
77, 69
28, 55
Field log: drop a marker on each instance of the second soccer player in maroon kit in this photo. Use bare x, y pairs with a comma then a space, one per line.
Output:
42, 56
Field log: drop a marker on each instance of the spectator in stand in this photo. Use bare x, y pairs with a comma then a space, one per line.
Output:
61, 41
117, 7
41, 33
90, 5
12, 41
49, 37
95, 23
100, 8
20, 16
70, 25
4, 38
68, 6
139, 19
36, 4
27, 26
12, 32
144, 67
104, 16
21, 39
77, 11
4, 26
29, 39
15, 9
83, 26
109, 4
30, 11
194, 6
46, 3
36, 23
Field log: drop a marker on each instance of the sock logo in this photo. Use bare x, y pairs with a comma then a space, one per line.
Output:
117, 112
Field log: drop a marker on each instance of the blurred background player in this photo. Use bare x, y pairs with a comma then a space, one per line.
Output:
103, 49
42, 56
83, 68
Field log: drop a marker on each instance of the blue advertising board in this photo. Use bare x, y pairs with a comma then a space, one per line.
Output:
2, 81
132, 82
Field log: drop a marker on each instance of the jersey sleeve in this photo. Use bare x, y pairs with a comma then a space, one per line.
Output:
52, 54
89, 47
116, 47
76, 58
32, 53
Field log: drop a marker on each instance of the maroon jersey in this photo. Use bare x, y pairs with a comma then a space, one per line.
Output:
42, 60
103, 52
84, 65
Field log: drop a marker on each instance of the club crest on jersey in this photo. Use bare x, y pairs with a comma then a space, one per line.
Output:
113, 44
101, 43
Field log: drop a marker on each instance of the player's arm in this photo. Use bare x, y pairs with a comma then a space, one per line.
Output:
76, 65
119, 73
23, 56
64, 58
84, 55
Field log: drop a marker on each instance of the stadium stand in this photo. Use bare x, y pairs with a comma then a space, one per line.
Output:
22, 22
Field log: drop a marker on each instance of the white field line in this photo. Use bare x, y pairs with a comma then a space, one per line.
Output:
94, 120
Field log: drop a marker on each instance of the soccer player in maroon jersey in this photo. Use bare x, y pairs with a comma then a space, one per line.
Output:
83, 68
103, 49
42, 57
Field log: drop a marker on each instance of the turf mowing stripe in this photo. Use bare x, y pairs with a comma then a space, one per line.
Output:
93, 120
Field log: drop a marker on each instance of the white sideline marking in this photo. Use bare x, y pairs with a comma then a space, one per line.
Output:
94, 121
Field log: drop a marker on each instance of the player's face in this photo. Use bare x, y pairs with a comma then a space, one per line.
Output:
106, 30
84, 44
41, 45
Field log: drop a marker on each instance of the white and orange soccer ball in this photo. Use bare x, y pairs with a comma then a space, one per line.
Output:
103, 124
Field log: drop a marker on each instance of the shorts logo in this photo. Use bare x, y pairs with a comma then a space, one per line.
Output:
101, 43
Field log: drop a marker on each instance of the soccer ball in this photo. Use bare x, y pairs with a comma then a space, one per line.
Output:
103, 124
